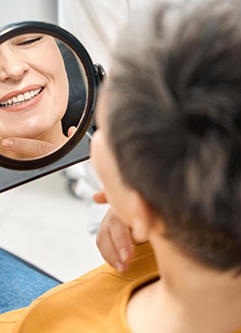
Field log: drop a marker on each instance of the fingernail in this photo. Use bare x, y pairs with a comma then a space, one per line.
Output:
119, 266
7, 143
124, 255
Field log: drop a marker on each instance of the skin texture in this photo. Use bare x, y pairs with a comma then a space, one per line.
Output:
27, 63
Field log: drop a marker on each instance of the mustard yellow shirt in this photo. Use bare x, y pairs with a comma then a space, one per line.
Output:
93, 303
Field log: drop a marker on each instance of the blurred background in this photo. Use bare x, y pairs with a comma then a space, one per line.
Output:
39, 10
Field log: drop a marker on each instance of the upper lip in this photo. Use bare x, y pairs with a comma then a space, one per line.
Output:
19, 92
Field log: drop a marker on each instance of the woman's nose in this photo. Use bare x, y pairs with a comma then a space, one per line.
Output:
11, 66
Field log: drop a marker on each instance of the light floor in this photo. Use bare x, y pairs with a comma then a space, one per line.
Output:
45, 225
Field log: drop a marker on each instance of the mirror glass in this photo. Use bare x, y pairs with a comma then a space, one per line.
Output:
43, 90
48, 88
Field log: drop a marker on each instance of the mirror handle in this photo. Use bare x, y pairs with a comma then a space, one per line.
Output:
99, 73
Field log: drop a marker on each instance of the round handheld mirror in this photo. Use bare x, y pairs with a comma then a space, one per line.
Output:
48, 89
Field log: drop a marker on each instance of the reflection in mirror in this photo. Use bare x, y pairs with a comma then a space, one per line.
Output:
43, 92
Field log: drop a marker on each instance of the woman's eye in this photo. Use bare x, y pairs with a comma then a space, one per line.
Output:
30, 41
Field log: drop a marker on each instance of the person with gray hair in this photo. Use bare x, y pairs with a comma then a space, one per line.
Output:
167, 150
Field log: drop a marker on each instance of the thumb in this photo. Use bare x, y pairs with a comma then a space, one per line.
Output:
100, 197
71, 131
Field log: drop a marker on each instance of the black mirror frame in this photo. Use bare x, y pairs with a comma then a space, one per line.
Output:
94, 75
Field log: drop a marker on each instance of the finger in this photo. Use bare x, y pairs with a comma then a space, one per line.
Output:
106, 245
100, 197
121, 236
28, 147
108, 251
114, 242
71, 131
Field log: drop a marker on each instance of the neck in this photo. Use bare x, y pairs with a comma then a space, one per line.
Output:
189, 297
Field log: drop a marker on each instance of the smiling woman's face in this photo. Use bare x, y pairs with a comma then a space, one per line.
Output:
34, 87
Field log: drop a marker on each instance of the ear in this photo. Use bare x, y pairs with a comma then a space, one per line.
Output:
143, 218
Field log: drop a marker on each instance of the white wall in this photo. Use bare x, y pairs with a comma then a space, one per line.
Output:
28, 10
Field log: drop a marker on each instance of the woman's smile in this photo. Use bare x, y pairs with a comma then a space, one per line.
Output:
22, 99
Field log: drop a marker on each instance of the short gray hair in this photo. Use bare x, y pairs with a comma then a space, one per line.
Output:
174, 122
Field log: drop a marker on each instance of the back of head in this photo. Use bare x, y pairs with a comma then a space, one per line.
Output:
175, 122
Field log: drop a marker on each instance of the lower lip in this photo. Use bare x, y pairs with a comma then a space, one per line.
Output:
24, 106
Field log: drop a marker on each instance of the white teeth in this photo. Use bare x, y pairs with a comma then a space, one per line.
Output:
27, 95
21, 97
